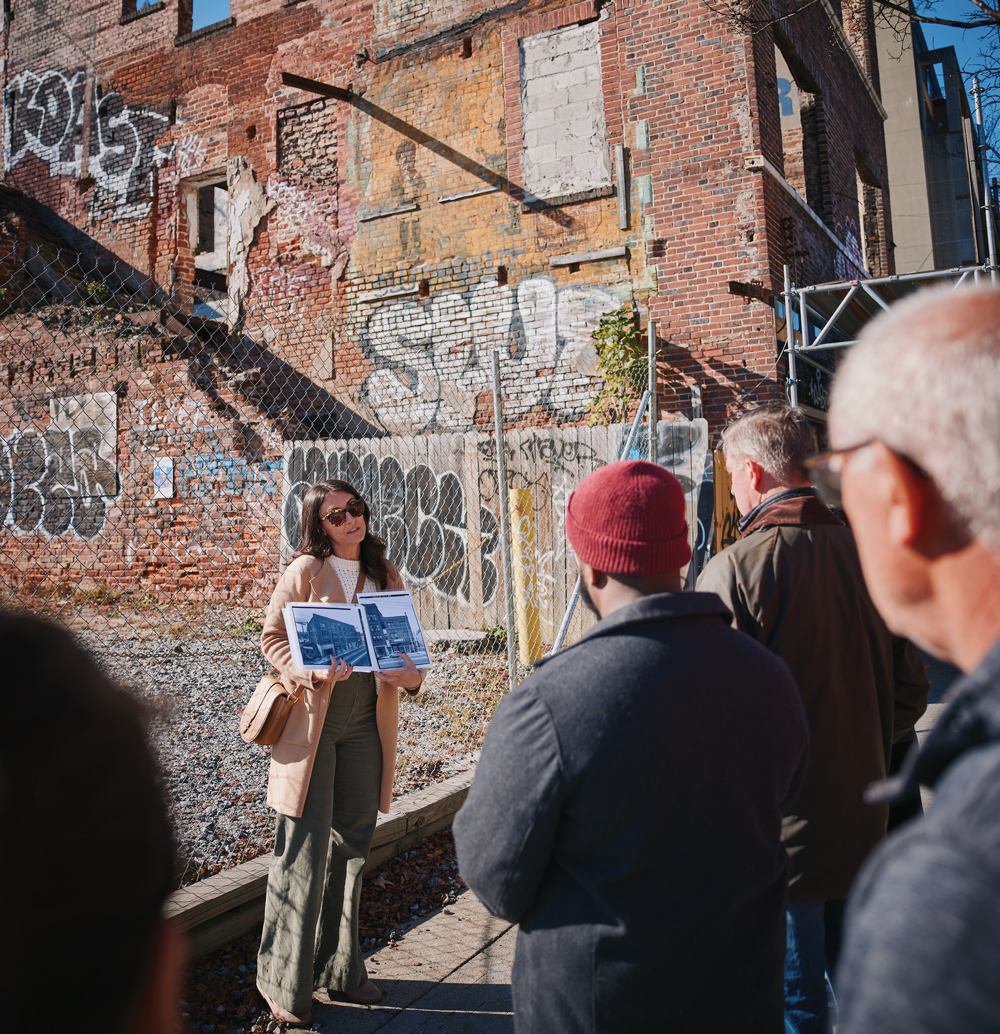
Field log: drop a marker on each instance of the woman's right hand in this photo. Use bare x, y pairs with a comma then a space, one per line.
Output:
338, 671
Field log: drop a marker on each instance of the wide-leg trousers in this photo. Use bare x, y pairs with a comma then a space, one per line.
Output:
310, 937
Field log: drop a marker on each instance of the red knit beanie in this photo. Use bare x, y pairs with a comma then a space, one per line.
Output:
628, 518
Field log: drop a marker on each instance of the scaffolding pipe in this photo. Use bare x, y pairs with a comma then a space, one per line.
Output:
896, 278
991, 242
571, 606
653, 408
793, 385
504, 505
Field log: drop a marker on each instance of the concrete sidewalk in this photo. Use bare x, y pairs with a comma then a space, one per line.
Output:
450, 973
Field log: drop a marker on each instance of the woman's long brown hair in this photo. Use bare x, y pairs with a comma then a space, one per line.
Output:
313, 541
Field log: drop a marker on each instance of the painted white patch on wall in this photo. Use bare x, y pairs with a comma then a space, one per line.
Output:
562, 112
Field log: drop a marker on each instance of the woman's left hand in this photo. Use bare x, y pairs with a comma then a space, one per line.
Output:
408, 678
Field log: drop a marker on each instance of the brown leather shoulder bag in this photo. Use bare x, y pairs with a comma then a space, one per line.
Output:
264, 717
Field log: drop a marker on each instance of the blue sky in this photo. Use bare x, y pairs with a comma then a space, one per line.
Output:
208, 11
969, 44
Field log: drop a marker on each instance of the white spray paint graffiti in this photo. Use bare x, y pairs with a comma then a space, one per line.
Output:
297, 208
432, 359
46, 120
191, 152
62, 478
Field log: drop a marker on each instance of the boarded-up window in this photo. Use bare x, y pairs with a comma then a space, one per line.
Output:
803, 136
565, 139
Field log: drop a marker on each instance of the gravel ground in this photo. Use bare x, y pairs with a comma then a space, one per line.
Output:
196, 685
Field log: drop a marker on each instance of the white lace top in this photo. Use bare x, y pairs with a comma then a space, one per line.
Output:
347, 572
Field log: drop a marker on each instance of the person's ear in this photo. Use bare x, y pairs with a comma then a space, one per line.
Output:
158, 1008
590, 575
905, 497
756, 474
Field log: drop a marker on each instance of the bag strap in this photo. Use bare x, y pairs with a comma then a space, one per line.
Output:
360, 586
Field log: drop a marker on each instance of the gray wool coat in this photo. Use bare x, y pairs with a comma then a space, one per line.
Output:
626, 811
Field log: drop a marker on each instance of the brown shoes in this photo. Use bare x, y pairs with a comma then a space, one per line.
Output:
366, 994
290, 1019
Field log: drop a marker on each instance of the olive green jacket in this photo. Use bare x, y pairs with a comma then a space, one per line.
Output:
793, 582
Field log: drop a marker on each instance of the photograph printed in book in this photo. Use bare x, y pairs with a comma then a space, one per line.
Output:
369, 634
394, 629
320, 634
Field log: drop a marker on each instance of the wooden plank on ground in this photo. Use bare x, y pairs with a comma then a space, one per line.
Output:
197, 908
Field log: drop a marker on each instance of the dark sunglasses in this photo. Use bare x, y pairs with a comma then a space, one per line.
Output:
355, 508
825, 469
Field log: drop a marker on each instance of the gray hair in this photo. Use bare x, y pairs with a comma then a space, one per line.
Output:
778, 437
925, 380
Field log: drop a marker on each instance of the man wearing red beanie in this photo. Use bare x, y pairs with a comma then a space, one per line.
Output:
626, 810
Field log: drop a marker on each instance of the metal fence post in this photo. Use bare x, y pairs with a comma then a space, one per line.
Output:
793, 384
571, 606
991, 241
654, 409
504, 505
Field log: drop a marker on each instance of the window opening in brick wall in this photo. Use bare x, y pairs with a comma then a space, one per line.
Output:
135, 6
564, 135
208, 12
467, 47
210, 236
870, 220
803, 136
501, 276
196, 14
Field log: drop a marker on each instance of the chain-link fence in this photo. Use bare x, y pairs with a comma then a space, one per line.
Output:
155, 446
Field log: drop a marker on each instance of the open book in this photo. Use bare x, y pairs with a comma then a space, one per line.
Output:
368, 634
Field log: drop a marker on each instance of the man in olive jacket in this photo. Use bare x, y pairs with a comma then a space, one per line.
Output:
793, 581
626, 809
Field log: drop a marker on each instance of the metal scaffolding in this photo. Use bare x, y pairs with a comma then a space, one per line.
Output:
830, 316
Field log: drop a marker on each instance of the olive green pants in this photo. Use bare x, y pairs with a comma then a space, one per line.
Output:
310, 937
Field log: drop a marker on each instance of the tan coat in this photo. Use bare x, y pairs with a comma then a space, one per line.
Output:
310, 580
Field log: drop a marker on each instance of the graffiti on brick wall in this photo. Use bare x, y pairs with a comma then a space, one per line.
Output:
63, 478
420, 512
46, 120
216, 473
432, 359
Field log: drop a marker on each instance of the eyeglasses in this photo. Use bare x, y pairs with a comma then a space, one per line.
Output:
355, 508
825, 470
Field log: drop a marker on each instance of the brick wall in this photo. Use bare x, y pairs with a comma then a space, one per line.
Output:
380, 248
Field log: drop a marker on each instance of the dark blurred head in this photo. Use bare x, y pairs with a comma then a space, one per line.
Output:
86, 858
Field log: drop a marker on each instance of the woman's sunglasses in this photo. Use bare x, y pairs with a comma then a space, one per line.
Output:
355, 508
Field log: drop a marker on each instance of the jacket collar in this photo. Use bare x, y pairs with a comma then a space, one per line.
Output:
971, 720
796, 506
663, 605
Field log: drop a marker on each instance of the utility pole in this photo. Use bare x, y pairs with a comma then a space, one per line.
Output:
991, 242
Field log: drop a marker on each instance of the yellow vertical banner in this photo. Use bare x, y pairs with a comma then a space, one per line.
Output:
524, 564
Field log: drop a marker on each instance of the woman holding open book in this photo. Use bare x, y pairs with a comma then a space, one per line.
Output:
331, 769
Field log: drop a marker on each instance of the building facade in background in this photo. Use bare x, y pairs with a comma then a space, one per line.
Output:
489, 175
933, 153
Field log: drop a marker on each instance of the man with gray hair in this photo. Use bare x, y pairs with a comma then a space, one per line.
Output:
793, 582
915, 422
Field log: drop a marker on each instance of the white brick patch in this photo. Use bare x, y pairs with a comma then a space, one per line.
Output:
562, 112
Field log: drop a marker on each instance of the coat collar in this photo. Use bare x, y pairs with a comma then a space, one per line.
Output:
796, 506
656, 608
971, 720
